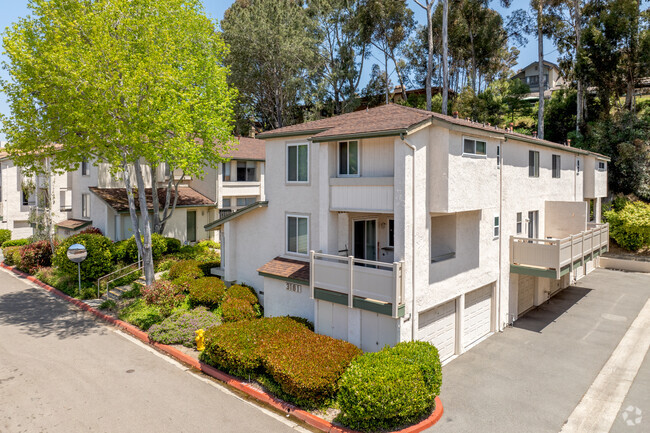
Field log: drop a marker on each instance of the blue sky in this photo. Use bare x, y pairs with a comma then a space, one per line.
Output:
12, 10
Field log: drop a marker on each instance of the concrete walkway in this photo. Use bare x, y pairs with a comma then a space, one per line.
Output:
531, 377
63, 371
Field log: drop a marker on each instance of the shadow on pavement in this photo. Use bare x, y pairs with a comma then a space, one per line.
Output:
40, 315
539, 318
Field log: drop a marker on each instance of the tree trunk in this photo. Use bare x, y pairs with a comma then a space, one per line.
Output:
540, 52
445, 67
132, 208
147, 253
386, 77
580, 96
154, 200
473, 70
429, 54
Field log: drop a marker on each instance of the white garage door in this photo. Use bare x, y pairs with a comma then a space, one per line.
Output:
478, 314
526, 293
377, 331
438, 327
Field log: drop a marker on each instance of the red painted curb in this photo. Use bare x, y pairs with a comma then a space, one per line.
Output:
262, 396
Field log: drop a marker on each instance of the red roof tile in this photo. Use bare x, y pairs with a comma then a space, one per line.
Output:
118, 200
287, 268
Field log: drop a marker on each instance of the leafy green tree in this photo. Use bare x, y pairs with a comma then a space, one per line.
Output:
560, 115
119, 81
274, 54
374, 90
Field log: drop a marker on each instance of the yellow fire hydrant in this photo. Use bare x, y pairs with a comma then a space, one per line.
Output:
200, 340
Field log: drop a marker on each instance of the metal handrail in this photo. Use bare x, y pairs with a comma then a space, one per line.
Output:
140, 264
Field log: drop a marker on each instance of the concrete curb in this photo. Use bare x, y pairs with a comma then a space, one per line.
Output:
262, 396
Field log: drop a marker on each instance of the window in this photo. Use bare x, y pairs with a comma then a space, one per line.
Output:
245, 171
577, 166
533, 163
225, 203
391, 233
348, 158
443, 238
519, 223
601, 166
85, 205
85, 168
297, 163
474, 147
557, 166
297, 234
496, 226
245, 201
225, 173
25, 198
498, 156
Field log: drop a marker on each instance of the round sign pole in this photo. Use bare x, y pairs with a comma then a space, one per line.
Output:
77, 253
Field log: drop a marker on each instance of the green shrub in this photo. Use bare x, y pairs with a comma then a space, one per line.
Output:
207, 291
158, 248
108, 304
165, 264
15, 242
209, 244
91, 231
135, 292
245, 293
141, 315
55, 278
380, 391
118, 251
34, 256
425, 356
99, 261
206, 267
630, 227
306, 366
8, 253
16, 256
308, 323
163, 294
185, 271
5, 235
619, 202
234, 310
173, 245
180, 327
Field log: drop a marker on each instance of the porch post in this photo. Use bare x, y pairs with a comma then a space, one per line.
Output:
351, 279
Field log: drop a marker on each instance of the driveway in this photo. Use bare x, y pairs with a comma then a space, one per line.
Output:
63, 371
530, 377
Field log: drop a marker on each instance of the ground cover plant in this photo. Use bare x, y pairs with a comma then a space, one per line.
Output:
180, 327
164, 295
140, 314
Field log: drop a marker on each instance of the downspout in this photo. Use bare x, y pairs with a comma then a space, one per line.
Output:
499, 312
413, 333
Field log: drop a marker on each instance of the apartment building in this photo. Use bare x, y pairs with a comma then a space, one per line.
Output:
91, 195
393, 223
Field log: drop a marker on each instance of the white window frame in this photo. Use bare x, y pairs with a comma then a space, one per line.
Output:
286, 158
535, 166
286, 235
558, 168
85, 205
225, 172
474, 154
338, 159
519, 226
577, 166
496, 231
85, 167
598, 167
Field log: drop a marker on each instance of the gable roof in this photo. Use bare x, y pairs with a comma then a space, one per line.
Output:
248, 148
118, 200
236, 214
393, 120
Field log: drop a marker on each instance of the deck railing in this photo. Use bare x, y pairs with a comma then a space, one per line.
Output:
366, 279
557, 254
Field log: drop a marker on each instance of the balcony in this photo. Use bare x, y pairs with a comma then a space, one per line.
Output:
553, 258
241, 188
363, 284
362, 194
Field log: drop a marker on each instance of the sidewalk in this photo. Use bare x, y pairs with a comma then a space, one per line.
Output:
531, 377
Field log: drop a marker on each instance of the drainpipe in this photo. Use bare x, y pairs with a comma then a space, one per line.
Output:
413, 333
500, 233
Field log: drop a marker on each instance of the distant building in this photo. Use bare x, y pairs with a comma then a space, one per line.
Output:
530, 76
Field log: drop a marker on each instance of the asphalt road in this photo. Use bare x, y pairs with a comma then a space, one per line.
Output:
61, 370
532, 376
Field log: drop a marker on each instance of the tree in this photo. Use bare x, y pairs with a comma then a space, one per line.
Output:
445, 64
376, 87
427, 7
120, 81
274, 53
539, 6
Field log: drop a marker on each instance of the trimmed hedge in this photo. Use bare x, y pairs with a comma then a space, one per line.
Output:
10, 254
306, 366
99, 261
5, 235
34, 256
180, 327
242, 292
391, 388
183, 272
15, 243
235, 309
630, 226
206, 267
207, 291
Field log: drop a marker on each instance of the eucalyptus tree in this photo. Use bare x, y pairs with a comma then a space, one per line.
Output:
427, 5
120, 81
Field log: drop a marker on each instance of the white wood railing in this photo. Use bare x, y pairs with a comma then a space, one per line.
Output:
377, 281
557, 253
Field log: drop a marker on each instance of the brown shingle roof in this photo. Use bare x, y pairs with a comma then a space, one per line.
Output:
118, 200
73, 224
286, 268
248, 148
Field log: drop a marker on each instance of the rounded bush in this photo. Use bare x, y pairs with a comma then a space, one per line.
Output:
180, 327
242, 292
5, 235
158, 248
425, 356
9, 254
380, 391
630, 226
34, 256
15, 243
99, 261
173, 245
207, 291
163, 294
183, 272
118, 250
235, 310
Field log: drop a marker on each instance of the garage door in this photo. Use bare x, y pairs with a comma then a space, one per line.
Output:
438, 327
478, 314
526, 293
377, 331
332, 320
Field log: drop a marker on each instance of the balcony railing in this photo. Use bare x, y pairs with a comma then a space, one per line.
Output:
362, 194
560, 255
364, 284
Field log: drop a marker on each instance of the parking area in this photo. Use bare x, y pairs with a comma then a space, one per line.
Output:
530, 377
